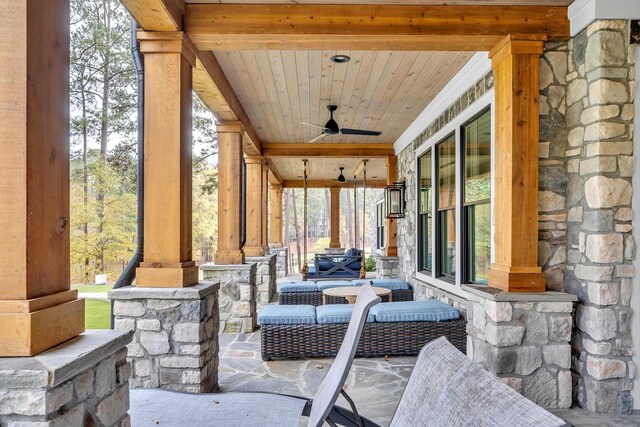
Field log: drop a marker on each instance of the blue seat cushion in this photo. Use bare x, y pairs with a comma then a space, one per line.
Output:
287, 315
430, 310
333, 284
337, 313
393, 284
355, 265
325, 265
352, 252
306, 286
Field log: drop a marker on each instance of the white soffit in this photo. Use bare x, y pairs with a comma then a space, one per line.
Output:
477, 67
584, 12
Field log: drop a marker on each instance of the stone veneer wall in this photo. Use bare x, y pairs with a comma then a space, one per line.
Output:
387, 267
238, 295
587, 94
266, 276
587, 88
175, 341
74, 384
282, 261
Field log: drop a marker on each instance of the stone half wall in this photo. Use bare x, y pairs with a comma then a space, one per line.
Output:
266, 276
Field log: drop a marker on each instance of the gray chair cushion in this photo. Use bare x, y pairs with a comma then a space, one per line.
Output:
287, 315
430, 310
306, 286
333, 284
337, 313
393, 284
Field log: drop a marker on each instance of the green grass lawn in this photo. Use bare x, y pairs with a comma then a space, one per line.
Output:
97, 314
92, 288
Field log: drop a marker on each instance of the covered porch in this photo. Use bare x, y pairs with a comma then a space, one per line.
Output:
420, 76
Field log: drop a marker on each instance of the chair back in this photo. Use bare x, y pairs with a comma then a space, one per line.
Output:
330, 387
448, 389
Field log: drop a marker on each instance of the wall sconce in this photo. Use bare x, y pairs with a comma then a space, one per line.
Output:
394, 200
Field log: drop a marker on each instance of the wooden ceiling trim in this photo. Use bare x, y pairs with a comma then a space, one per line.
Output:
157, 15
352, 27
274, 150
331, 183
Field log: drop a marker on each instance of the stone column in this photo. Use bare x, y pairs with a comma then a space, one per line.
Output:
276, 218
229, 249
266, 276
175, 339
391, 234
84, 381
515, 64
282, 261
168, 261
255, 207
335, 218
238, 295
387, 267
524, 340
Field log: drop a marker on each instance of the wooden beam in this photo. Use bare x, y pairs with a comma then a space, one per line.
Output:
37, 309
157, 15
273, 150
329, 183
253, 245
168, 259
335, 218
374, 27
274, 175
391, 232
358, 170
276, 217
516, 68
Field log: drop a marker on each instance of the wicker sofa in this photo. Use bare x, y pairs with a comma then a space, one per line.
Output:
392, 329
310, 293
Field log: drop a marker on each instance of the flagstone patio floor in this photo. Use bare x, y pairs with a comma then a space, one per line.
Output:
375, 384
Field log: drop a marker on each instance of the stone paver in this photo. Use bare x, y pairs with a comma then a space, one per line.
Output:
375, 384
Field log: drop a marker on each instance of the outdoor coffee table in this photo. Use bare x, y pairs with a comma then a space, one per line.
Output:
351, 292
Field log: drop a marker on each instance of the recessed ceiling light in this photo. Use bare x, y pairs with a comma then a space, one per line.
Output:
340, 59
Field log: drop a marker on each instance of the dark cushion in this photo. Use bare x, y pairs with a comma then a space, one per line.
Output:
352, 252
431, 310
355, 265
325, 265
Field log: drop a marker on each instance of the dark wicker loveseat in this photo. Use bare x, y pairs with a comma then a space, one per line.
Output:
381, 337
310, 293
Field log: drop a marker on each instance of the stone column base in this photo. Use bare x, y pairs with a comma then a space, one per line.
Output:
175, 339
387, 267
523, 338
336, 251
84, 381
238, 295
266, 276
282, 261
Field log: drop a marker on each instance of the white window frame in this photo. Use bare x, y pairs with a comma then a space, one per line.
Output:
454, 126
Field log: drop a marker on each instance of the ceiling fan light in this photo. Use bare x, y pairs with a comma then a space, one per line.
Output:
341, 177
340, 59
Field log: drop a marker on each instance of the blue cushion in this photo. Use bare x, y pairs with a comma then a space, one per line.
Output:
337, 313
333, 284
352, 252
287, 315
393, 284
325, 265
430, 310
355, 265
306, 286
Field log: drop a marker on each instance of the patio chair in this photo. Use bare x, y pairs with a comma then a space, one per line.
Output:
166, 407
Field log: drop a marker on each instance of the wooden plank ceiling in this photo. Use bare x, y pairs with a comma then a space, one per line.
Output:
409, 2
322, 168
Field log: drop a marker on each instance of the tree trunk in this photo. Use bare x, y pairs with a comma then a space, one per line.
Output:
349, 221
327, 198
297, 229
356, 221
85, 184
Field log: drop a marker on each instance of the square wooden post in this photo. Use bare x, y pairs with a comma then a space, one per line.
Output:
264, 191
515, 64
230, 193
168, 262
275, 222
391, 233
255, 184
335, 218
37, 309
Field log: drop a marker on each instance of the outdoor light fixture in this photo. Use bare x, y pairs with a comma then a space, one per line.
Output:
394, 200
341, 177
340, 59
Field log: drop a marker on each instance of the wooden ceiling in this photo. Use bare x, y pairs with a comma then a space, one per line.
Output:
321, 168
377, 90
407, 2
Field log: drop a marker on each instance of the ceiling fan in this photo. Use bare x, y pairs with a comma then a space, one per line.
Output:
331, 127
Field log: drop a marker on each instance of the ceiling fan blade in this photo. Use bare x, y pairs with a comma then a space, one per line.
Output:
312, 125
322, 135
345, 131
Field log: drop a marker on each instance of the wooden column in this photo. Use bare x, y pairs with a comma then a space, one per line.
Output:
168, 262
335, 218
275, 222
37, 309
253, 245
229, 193
265, 206
391, 233
516, 67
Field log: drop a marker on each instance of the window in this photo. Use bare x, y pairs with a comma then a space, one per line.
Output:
425, 256
476, 140
380, 224
446, 206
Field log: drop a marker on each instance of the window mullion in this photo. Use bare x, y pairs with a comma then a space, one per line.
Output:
459, 206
